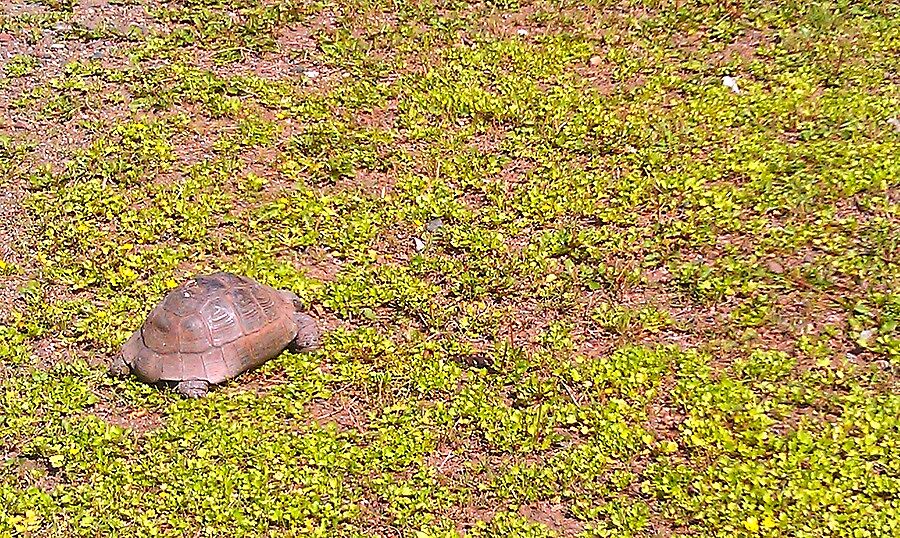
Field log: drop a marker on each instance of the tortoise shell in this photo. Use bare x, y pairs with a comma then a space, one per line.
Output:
213, 328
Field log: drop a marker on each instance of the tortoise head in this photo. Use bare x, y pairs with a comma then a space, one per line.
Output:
118, 367
308, 335
307, 338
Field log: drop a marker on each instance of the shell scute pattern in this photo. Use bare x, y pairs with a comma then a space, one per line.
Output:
189, 300
172, 369
238, 355
248, 310
216, 368
194, 335
266, 303
158, 333
222, 321
193, 365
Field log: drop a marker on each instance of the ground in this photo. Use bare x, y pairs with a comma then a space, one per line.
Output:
571, 283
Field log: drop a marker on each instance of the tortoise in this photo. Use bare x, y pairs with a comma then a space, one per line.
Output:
211, 329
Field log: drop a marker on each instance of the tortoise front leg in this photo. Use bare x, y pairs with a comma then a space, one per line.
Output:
193, 388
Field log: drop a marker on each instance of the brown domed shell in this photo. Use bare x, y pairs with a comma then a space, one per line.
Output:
212, 328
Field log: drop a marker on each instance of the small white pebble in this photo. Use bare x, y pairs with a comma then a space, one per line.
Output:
419, 244
731, 84
895, 123
866, 335
311, 73
522, 31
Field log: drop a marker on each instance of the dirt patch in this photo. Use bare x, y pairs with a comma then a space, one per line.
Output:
373, 181
743, 48
553, 516
468, 516
11, 215
344, 411
15, 266
377, 519
195, 144
135, 419
318, 264
119, 17
664, 418
32, 472
50, 351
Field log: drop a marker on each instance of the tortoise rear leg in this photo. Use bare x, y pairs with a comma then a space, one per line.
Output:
193, 388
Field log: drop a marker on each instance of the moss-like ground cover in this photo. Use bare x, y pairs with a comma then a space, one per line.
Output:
572, 284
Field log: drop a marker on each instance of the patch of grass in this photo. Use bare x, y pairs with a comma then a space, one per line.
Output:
573, 284
20, 65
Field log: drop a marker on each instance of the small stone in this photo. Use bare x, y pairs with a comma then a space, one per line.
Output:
522, 32
98, 54
595, 61
311, 73
731, 84
895, 123
657, 276
57, 46
865, 336
775, 267
434, 224
419, 244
